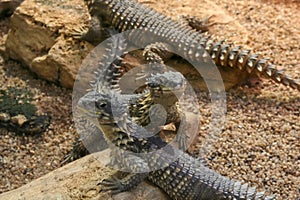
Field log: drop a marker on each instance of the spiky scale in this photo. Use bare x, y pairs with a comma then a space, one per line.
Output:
182, 37
238, 58
189, 180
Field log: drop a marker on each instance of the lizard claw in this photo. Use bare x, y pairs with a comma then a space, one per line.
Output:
201, 25
112, 184
181, 139
79, 32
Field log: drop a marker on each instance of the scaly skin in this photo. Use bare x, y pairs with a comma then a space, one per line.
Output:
107, 73
139, 110
176, 177
171, 168
177, 37
177, 173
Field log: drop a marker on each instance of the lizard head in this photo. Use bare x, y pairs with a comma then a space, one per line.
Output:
167, 87
105, 105
97, 105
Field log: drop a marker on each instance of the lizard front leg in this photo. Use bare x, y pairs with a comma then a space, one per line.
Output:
128, 164
201, 25
157, 52
117, 185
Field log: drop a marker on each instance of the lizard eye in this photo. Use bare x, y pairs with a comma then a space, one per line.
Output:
101, 104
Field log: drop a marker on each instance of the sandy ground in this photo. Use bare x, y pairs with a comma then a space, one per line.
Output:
24, 158
260, 141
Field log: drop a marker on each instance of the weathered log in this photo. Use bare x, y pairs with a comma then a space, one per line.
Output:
78, 180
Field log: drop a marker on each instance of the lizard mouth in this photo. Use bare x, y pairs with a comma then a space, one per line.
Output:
100, 117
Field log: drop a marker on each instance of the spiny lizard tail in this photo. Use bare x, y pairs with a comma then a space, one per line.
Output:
173, 36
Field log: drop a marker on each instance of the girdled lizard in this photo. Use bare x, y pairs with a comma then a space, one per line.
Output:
174, 171
172, 36
178, 174
157, 87
126, 15
188, 42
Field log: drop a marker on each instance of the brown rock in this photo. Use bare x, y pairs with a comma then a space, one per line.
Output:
19, 119
4, 117
41, 37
